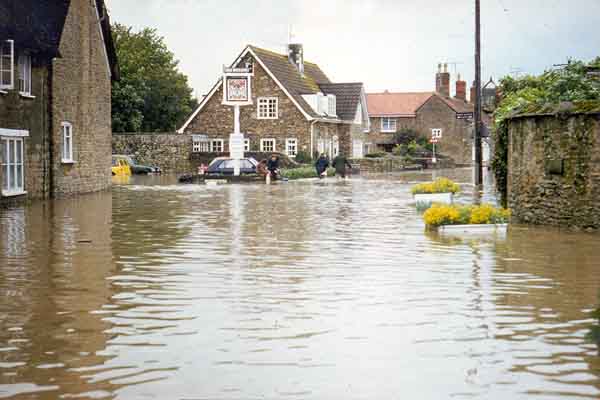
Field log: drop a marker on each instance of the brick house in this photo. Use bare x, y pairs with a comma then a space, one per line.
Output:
295, 108
423, 112
57, 60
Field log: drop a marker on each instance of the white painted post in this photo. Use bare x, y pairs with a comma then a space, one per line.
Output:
236, 142
433, 159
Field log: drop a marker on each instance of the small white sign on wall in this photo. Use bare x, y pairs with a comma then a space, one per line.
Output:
436, 134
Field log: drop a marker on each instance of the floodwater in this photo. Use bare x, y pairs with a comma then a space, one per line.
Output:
299, 290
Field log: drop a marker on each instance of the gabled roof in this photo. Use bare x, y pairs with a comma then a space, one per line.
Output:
347, 97
286, 76
38, 25
396, 104
291, 79
408, 104
459, 106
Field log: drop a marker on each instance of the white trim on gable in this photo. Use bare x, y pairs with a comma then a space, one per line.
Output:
200, 106
247, 50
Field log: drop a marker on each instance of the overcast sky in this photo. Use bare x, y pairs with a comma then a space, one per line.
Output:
387, 44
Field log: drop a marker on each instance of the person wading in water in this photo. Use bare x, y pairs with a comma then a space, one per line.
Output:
339, 163
321, 166
273, 166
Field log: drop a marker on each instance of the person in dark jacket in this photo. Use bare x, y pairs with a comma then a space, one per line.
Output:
339, 163
321, 166
273, 166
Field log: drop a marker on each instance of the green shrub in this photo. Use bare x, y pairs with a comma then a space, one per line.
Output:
303, 157
303, 172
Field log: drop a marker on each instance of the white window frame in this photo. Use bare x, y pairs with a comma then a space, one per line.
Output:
6, 137
288, 142
246, 144
220, 148
24, 63
196, 146
66, 130
265, 140
3, 68
390, 121
263, 108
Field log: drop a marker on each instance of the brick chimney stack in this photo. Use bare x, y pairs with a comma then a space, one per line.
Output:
461, 89
442, 81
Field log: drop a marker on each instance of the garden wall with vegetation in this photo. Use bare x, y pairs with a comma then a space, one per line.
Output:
554, 169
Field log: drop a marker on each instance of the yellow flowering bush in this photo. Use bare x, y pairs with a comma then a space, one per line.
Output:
440, 185
442, 214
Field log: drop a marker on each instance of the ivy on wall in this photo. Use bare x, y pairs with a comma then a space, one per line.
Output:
577, 83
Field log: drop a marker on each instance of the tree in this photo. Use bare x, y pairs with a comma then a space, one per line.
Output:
152, 95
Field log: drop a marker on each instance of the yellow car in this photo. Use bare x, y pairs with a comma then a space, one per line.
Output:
120, 167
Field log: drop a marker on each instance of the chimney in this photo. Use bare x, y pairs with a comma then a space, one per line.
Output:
296, 56
461, 89
473, 96
442, 81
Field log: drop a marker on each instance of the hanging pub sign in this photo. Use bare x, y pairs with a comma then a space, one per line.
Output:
237, 86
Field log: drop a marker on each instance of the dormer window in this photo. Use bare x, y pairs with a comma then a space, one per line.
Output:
7, 62
25, 75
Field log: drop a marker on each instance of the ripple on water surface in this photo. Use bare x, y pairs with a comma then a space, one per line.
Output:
311, 289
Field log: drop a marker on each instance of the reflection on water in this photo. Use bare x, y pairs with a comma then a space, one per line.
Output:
312, 289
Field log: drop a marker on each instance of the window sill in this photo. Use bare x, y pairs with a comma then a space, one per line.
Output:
267, 117
3, 91
388, 131
26, 95
13, 194
63, 161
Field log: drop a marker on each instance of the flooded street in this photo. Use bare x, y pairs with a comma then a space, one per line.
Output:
299, 290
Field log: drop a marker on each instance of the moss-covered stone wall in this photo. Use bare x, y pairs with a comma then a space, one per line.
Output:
554, 170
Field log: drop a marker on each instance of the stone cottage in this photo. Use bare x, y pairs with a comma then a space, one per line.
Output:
57, 60
294, 108
424, 113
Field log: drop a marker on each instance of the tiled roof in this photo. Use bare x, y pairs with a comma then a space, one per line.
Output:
407, 104
457, 105
347, 97
290, 78
396, 104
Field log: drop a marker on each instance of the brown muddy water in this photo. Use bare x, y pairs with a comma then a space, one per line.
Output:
300, 290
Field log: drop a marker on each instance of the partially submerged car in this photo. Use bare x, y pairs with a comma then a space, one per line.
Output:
224, 166
120, 167
137, 168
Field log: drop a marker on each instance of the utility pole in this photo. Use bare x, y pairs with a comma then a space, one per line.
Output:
478, 158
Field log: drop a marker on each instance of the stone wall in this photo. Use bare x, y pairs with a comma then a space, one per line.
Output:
554, 170
81, 95
456, 140
169, 151
24, 113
